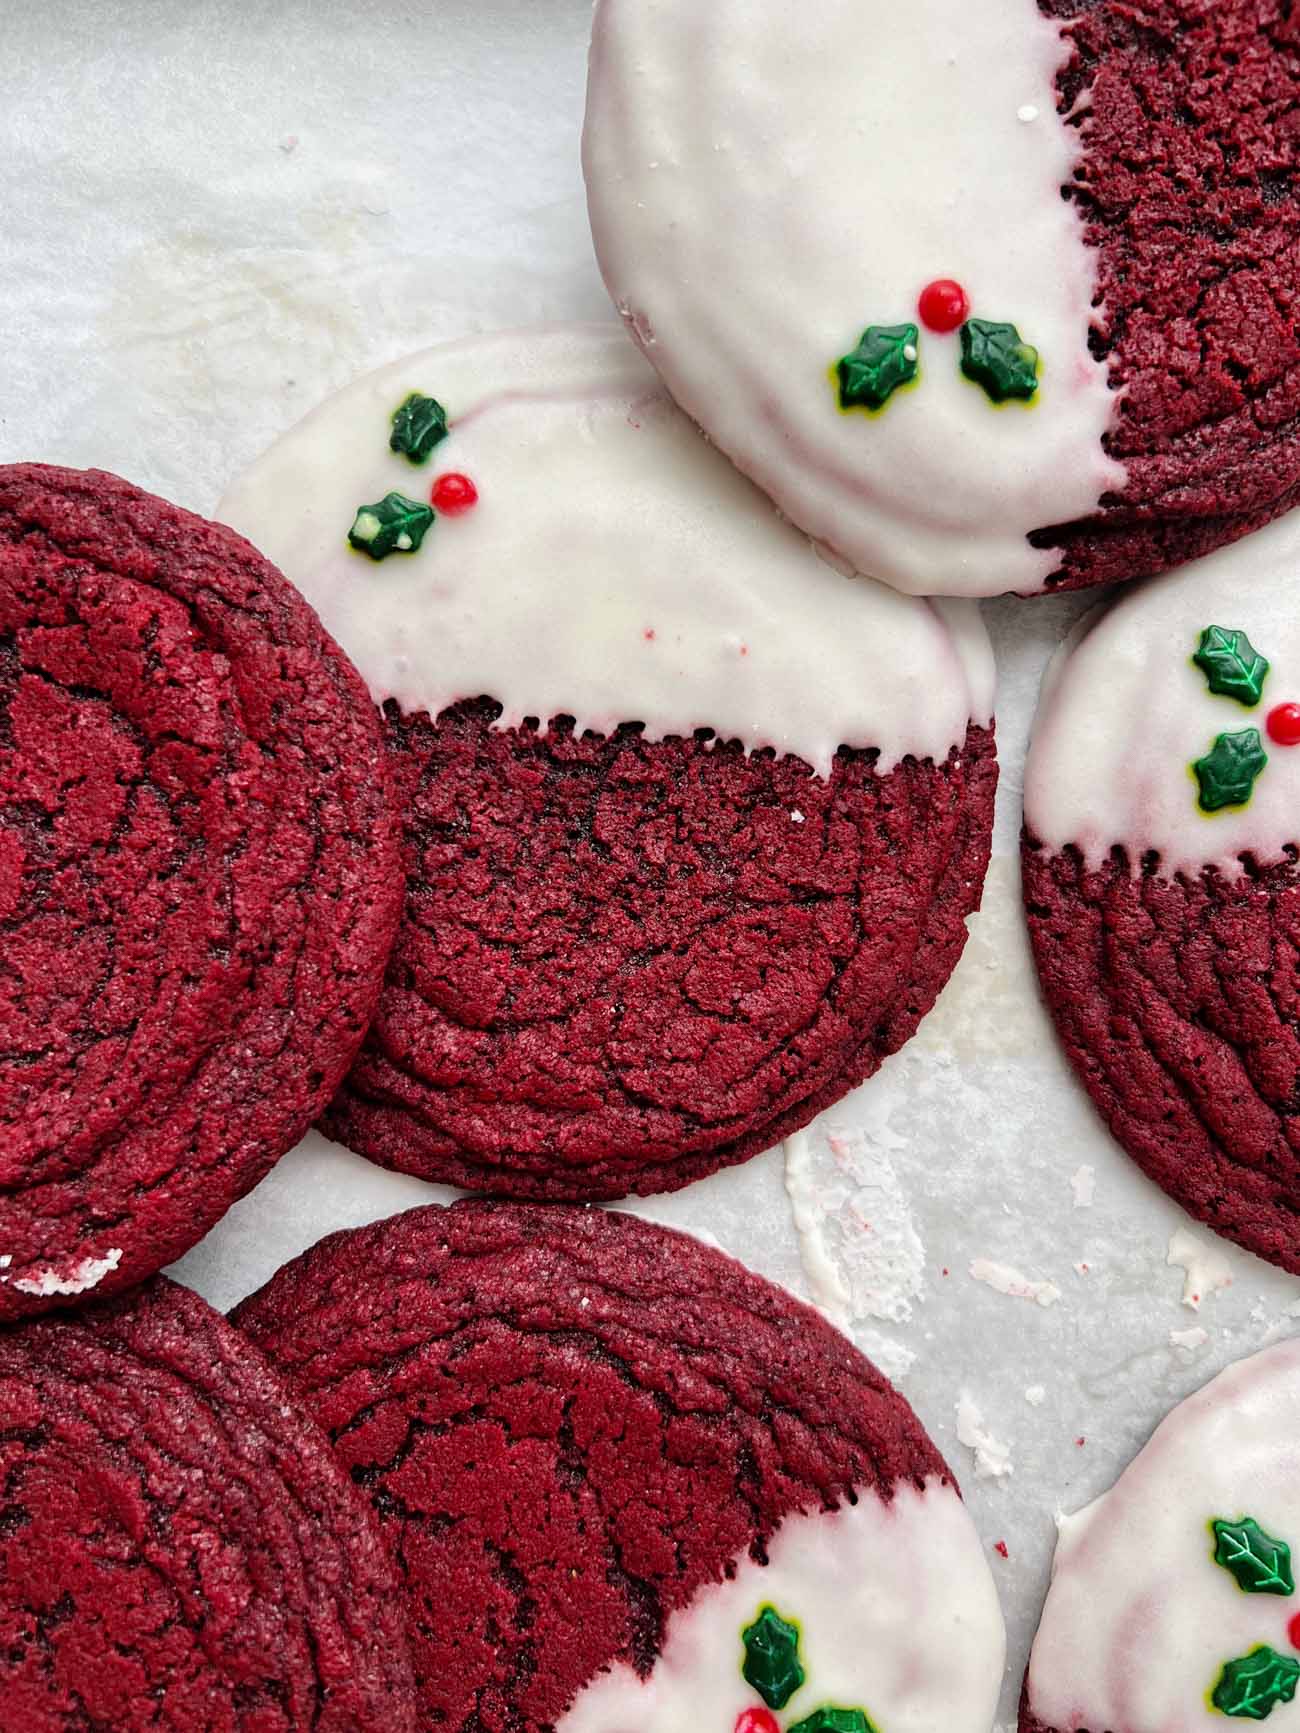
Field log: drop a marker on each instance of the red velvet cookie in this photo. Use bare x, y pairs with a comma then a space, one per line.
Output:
1162, 832
178, 1548
693, 823
627, 1484
987, 295
1187, 118
199, 878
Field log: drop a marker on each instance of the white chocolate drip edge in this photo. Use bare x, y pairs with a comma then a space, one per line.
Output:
616, 568
1124, 714
897, 1612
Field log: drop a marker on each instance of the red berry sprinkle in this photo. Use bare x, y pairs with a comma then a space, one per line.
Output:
1284, 724
1000, 1547
757, 1721
453, 494
1293, 1632
944, 305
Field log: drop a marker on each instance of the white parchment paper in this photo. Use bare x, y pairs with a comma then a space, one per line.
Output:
213, 214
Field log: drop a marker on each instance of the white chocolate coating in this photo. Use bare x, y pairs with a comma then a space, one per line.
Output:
616, 568
1124, 713
898, 1617
1139, 1620
767, 179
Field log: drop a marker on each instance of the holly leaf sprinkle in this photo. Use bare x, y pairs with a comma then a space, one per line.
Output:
1251, 1688
396, 525
1232, 665
885, 359
835, 1721
1227, 773
999, 360
1261, 1565
419, 427
772, 1665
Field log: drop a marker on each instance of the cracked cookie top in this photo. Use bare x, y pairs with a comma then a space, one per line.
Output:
199, 878
179, 1550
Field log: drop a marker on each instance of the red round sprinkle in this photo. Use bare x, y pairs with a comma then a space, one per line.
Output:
1284, 724
944, 305
453, 494
757, 1721
1293, 1632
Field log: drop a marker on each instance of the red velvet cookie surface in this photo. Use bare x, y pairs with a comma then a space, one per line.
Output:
574, 1424
1176, 1000
625, 964
199, 878
1187, 116
178, 1547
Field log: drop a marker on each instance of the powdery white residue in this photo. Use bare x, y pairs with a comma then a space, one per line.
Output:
1083, 1183
860, 1249
992, 1457
1190, 1339
1207, 1270
1006, 1280
80, 1278
5, 1261
1036, 1395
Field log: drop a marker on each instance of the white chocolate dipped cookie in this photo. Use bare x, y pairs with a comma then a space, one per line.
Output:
640, 723
931, 274
1173, 1606
1162, 833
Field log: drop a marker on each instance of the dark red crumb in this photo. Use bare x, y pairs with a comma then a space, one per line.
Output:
179, 1550
626, 964
1178, 1004
1190, 128
569, 1422
199, 877
1000, 1547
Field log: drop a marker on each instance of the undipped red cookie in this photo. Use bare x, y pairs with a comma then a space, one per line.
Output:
656, 917
988, 295
1162, 836
199, 878
179, 1550
1173, 1603
629, 1485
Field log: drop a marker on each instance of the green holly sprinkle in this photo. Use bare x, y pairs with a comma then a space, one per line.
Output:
1251, 1688
419, 427
396, 525
1261, 1565
771, 1663
1226, 775
835, 1721
998, 360
884, 360
1232, 665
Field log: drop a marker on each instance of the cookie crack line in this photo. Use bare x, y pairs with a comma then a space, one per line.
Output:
220, 853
